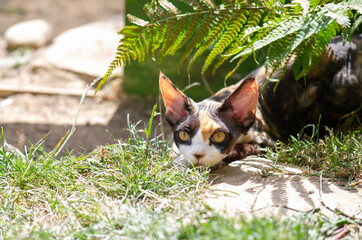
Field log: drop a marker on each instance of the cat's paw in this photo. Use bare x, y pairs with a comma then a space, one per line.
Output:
219, 165
242, 150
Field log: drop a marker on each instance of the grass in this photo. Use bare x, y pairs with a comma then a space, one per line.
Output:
41, 196
338, 154
302, 226
132, 190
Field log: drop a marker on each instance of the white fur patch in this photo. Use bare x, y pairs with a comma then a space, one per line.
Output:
200, 147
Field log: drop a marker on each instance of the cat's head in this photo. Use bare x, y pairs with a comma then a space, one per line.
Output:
207, 131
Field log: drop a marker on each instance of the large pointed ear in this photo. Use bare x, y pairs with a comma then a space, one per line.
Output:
177, 104
242, 103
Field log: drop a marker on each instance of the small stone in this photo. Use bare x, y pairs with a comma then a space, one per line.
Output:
34, 34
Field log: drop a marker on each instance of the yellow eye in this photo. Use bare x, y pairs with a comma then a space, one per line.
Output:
184, 135
218, 137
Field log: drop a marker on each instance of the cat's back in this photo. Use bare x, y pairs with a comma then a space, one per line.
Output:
329, 92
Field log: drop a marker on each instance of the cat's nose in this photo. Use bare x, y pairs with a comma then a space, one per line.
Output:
199, 156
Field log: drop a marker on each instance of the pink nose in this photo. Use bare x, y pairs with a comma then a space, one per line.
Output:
199, 156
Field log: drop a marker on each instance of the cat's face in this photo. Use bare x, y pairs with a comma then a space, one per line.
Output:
206, 132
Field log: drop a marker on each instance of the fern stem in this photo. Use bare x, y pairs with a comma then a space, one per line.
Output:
214, 11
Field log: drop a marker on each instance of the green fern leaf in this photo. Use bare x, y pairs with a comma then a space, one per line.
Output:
150, 11
253, 19
157, 12
313, 4
308, 54
200, 4
352, 4
312, 25
184, 35
235, 25
218, 27
235, 29
208, 3
136, 20
241, 60
206, 22
174, 27
304, 5
169, 7
157, 34
356, 23
276, 49
286, 27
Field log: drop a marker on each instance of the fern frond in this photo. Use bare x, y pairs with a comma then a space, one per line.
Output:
208, 3
151, 11
136, 20
312, 25
235, 29
253, 19
314, 3
306, 26
304, 4
309, 53
169, 7
196, 40
275, 50
351, 4
218, 26
153, 36
241, 60
235, 25
284, 28
173, 28
356, 23
185, 33
200, 4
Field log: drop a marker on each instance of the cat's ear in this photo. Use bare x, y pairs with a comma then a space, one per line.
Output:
177, 104
242, 103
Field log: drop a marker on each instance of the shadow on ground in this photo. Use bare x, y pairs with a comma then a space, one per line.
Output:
258, 186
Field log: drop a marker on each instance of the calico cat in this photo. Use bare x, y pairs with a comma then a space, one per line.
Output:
238, 119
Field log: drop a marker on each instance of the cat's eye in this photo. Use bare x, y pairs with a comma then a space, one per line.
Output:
218, 137
184, 135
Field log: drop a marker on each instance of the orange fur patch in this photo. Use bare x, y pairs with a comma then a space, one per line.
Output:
207, 125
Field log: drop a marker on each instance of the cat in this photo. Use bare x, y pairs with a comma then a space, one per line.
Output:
239, 119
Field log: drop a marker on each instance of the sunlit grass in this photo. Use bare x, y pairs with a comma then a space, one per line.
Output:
339, 154
133, 190
42, 196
